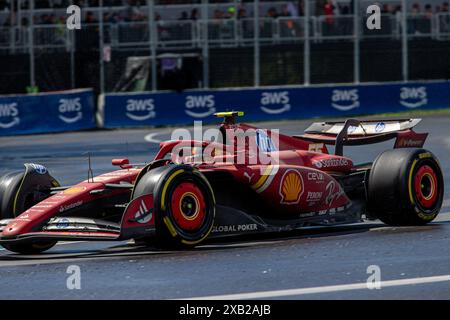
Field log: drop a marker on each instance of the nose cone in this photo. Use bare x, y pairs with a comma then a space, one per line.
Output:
15, 227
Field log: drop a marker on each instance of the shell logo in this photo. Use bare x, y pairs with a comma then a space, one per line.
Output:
291, 187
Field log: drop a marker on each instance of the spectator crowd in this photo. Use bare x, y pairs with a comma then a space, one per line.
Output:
421, 12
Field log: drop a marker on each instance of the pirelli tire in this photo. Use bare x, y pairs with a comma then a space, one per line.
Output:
184, 205
405, 187
21, 190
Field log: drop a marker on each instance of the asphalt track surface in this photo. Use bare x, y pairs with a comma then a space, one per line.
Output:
316, 263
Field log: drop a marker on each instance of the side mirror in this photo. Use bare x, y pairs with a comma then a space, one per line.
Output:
123, 163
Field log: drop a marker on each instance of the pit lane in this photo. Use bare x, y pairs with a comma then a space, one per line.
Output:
312, 258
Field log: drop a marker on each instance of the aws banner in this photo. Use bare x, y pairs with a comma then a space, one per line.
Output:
135, 109
47, 112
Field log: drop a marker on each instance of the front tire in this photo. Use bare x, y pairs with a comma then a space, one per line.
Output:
184, 205
20, 191
405, 187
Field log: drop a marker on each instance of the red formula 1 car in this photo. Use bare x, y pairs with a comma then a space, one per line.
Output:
253, 181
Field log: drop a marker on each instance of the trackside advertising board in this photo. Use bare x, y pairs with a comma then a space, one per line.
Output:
141, 109
47, 112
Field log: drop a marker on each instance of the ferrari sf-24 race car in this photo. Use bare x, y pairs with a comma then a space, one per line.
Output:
176, 202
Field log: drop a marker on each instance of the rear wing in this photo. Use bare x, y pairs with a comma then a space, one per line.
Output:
354, 132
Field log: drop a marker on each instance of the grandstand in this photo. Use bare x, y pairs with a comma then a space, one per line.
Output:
215, 43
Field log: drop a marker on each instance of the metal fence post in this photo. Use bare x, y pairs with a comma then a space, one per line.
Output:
72, 59
405, 56
256, 42
306, 46
356, 45
20, 33
152, 41
101, 48
31, 43
12, 31
205, 44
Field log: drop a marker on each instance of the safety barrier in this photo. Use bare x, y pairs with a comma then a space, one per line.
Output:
170, 108
47, 112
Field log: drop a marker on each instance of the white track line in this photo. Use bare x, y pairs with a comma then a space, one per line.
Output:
151, 137
324, 289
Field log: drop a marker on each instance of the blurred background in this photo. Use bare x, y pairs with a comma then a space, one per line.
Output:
144, 45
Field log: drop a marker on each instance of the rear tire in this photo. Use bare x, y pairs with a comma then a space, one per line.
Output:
184, 205
405, 187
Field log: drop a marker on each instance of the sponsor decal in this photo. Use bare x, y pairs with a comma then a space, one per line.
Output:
140, 109
25, 216
74, 190
291, 187
58, 196
334, 191
70, 206
316, 176
38, 168
307, 215
345, 100
380, 126
410, 143
413, 97
264, 142
200, 106
63, 223
314, 196
70, 110
9, 115
275, 102
327, 163
143, 215
351, 129
235, 228
315, 147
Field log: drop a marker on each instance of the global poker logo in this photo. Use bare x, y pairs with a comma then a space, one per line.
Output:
140, 109
200, 106
345, 100
70, 110
9, 115
275, 102
413, 97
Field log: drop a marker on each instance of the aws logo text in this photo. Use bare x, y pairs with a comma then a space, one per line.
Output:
413, 97
140, 109
9, 112
200, 106
275, 102
345, 100
70, 110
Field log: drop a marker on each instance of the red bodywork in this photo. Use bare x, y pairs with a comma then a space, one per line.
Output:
299, 182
